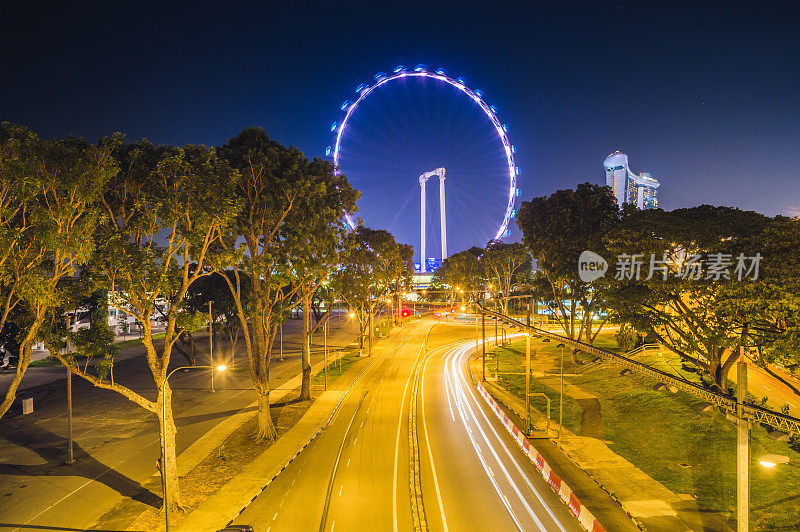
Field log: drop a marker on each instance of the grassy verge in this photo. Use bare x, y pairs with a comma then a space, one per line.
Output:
337, 368
44, 363
511, 359
689, 452
137, 341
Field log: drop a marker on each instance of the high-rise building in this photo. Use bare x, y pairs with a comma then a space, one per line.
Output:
638, 189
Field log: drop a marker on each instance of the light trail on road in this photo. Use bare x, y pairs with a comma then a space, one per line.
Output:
511, 492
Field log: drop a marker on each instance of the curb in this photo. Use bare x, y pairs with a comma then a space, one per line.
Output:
209, 441
581, 512
607, 491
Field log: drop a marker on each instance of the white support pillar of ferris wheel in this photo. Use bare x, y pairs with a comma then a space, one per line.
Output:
443, 216
422, 222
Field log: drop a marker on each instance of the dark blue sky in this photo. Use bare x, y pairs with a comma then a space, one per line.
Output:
705, 95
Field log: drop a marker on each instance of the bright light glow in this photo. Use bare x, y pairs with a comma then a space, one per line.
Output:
487, 443
463, 309
490, 111
352, 314
222, 367
771, 460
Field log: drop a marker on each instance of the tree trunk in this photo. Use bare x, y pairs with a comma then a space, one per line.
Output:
572, 320
22, 366
266, 429
725, 368
305, 389
168, 464
187, 347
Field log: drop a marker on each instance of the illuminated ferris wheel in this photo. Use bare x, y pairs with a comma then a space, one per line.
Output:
504, 165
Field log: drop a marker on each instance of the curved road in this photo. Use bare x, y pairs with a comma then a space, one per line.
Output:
412, 443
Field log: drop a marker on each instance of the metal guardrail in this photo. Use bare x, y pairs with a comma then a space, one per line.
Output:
641, 349
726, 403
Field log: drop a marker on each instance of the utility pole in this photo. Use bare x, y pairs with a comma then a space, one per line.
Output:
483, 346
371, 331
476, 330
325, 352
743, 448
70, 454
527, 384
561, 396
211, 344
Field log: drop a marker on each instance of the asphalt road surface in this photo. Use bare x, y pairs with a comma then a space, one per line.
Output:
116, 442
412, 442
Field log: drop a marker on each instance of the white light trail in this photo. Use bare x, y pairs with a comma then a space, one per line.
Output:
457, 385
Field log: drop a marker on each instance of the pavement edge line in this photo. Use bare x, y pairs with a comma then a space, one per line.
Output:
576, 507
324, 425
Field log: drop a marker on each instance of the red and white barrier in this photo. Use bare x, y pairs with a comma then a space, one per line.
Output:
581, 513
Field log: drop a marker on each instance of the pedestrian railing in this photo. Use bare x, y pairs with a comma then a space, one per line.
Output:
724, 402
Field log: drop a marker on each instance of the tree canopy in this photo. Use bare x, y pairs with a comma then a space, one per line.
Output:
556, 229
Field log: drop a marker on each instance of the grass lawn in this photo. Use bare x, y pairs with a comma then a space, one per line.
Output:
687, 451
512, 360
336, 368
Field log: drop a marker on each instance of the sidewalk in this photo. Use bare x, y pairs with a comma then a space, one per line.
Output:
341, 333
643, 498
116, 441
227, 503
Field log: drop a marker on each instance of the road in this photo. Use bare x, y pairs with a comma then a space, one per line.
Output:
412, 441
116, 442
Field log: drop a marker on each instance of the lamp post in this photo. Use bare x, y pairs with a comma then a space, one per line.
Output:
164, 485
371, 330
561, 394
211, 343
483, 346
476, 331
280, 327
742, 449
70, 454
325, 351
528, 384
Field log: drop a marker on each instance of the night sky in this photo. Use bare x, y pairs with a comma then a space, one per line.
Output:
705, 96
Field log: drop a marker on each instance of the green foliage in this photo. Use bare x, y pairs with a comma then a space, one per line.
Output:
627, 337
373, 265
49, 208
462, 271
284, 239
700, 319
556, 229
506, 266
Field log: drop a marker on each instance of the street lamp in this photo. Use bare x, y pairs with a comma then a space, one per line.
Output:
70, 453
561, 394
211, 342
164, 484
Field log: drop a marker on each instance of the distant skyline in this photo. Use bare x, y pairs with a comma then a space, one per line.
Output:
704, 95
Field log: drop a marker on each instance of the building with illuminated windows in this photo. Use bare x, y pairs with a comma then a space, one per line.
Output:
638, 189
